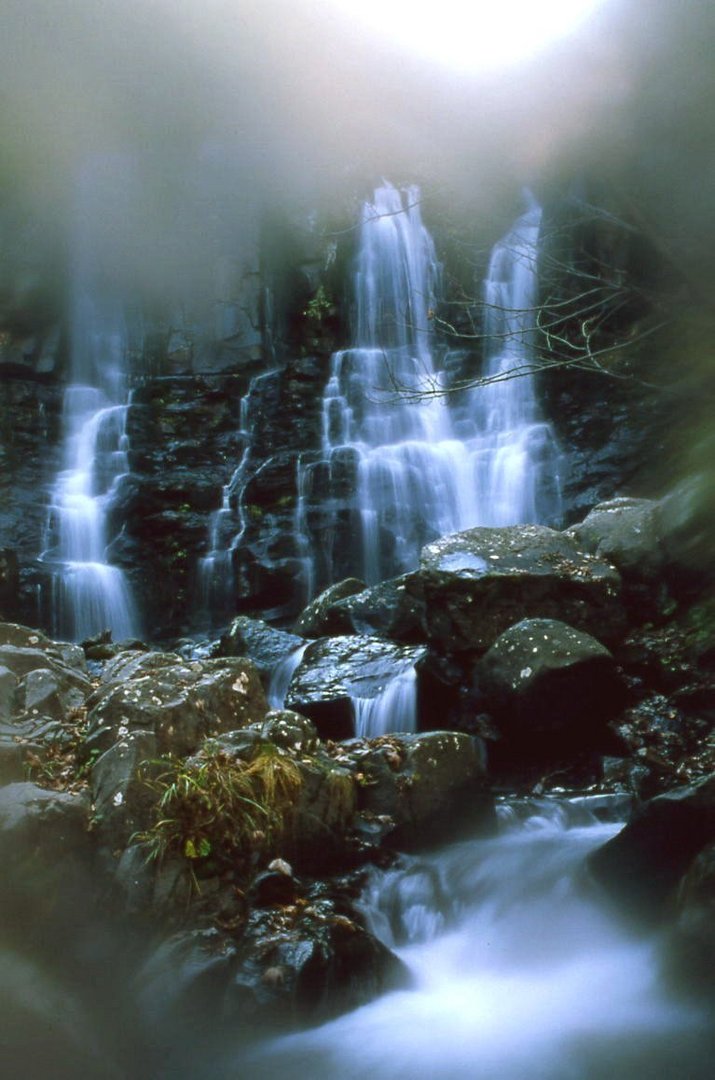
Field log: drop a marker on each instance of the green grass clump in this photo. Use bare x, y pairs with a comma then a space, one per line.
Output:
218, 807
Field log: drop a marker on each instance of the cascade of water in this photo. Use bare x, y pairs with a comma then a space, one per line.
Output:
88, 594
395, 709
414, 478
216, 575
281, 676
516, 971
514, 451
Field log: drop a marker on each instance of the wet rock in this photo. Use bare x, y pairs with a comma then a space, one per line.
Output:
393, 609
123, 801
335, 671
690, 956
14, 636
477, 583
308, 965
290, 731
320, 618
551, 688
43, 688
43, 838
274, 886
418, 789
626, 532
290, 966
641, 867
259, 641
181, 702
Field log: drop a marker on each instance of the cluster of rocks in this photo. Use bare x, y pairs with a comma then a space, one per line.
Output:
542, 659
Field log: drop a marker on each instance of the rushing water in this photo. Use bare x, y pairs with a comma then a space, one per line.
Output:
517, 971
88, 594
423, 467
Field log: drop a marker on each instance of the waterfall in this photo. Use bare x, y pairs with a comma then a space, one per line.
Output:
514, 450
395, 709
383, 406
517, 971
281, 676
88, 594
216, 571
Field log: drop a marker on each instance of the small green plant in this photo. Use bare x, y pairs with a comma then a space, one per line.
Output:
319, 306
216, 805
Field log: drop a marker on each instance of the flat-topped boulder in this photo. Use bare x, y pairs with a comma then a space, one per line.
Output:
477, 583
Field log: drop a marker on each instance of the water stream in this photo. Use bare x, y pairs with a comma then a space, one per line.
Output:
517, 971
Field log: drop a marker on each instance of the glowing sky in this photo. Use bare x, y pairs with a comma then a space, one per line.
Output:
470, 35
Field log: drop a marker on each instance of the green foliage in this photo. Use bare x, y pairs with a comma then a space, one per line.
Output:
319, 306
217, 805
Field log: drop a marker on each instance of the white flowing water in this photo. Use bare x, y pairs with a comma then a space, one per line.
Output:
216, 571
395, 709
88, 594
416, 479
517, 972
281, 676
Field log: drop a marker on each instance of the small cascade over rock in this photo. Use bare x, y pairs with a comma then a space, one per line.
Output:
387, 422
393, 709
87, 593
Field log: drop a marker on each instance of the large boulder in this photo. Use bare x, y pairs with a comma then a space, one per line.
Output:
477, 583
335, 673
641, 867
180, 702
551, 688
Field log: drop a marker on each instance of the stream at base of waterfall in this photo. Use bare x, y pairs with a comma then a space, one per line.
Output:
517, 970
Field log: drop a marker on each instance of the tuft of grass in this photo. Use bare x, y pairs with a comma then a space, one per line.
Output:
218, 807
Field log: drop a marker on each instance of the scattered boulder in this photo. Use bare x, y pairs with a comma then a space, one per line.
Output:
259, 641
627, 533
477, 583
641, 867
413, 789
392, 609
320, 618
551, 688
180, 702
334, 672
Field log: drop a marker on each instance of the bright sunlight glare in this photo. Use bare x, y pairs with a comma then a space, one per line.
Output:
471, 35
